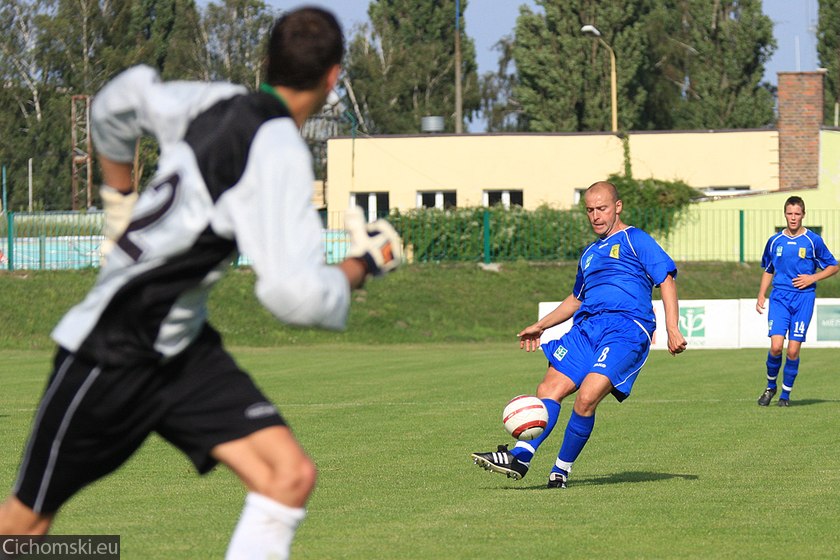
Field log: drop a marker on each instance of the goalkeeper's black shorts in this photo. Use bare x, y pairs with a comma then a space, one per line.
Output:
91, 419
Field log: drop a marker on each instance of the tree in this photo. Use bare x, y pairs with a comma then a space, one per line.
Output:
32, 128
235, 33
501, 109
401, 67
680, 64
713, 56
564, 77
828, 48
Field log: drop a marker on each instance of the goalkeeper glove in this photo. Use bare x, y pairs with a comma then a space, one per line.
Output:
117, 206
377, 244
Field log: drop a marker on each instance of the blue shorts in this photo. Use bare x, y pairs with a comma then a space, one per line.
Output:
790, 313
612, 345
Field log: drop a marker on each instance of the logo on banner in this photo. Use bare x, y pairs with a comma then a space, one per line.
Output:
693, 321
828, 322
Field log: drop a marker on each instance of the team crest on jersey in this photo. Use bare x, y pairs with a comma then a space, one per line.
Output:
779, 251
559, 353
802, 252
614, 251
588, 260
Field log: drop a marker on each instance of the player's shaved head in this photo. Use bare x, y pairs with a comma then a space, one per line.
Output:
604, 186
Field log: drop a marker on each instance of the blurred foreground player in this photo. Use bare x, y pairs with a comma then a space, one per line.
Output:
137, 355
610, 339
790, 261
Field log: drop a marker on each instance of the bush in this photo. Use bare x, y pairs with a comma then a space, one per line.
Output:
651, 204
492, 234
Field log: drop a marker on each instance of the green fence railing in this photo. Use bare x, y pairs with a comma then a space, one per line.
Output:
71, 240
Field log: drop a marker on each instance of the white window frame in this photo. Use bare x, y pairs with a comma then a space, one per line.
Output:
440, 202
485, 196
369, 203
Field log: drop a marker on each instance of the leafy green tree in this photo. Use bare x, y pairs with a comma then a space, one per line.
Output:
235, 33
713, 55
29, 128
564, 77
401, 67
828, 48
499, 106
679, 64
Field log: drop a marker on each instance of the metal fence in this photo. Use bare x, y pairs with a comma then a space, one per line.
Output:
71, 240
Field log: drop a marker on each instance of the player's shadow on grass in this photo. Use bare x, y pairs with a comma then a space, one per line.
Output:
806, 402
632, 476
618, 478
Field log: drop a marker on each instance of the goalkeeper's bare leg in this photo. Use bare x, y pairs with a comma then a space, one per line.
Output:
279, 477
16, 518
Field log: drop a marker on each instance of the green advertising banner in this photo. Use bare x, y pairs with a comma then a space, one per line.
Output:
828, 322
693, 321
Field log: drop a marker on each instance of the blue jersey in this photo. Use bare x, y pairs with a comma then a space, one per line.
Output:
787, 257
617, 275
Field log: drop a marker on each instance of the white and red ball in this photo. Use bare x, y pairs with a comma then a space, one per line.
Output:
525, 417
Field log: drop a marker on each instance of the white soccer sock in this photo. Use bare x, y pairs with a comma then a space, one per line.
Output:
265, 530
563, 465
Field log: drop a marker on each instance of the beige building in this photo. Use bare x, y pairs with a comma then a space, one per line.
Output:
382, 173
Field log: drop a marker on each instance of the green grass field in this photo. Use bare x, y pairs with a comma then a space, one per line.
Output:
688, 467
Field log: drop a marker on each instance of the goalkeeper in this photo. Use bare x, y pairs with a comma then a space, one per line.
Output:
137, 355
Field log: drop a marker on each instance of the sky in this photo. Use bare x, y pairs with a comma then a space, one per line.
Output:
487, 21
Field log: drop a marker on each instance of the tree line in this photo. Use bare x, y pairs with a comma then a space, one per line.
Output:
681, 64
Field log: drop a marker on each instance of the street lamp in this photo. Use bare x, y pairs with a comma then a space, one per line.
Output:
592, 31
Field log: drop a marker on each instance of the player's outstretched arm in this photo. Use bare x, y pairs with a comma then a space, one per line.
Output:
529, 337
376, 245
676, 341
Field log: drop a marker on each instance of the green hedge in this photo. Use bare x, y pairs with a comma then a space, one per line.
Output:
492, 234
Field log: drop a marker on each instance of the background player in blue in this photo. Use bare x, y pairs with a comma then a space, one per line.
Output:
790, 261
609, 342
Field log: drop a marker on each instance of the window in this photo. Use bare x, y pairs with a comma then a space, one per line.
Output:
374, 204
443, 200
505, 198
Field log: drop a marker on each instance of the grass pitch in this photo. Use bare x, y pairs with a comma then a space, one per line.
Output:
688, 467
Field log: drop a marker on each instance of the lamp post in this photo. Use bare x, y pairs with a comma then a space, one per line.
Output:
592, 31
459, 118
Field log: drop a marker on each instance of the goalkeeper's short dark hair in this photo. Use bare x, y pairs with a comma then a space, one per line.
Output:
302, 46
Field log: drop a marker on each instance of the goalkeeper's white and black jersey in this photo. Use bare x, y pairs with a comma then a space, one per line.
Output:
233, 175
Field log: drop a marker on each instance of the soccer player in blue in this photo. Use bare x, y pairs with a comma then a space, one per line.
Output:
610, 339
790, 261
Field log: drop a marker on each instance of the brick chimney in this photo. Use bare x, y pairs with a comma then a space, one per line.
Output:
800, 118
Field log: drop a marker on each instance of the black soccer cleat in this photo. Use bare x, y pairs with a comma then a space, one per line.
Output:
766, 397
501, 461
557, 480
784, 402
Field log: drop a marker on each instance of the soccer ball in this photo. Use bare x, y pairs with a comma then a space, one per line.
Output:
525, 417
